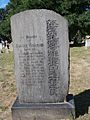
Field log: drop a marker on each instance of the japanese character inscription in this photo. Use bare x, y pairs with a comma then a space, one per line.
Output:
53, 56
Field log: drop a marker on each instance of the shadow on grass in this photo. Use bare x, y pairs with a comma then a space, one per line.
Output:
82, 103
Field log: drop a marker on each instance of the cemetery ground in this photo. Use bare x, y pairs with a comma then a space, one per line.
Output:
79, 82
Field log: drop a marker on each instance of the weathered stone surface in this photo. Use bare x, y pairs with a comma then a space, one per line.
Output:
43, 111
41, 46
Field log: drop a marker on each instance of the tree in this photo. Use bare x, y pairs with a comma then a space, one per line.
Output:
76, 11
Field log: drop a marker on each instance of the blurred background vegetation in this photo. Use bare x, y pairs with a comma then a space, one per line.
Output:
77, 12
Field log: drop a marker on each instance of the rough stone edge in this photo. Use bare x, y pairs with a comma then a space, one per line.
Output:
38, 10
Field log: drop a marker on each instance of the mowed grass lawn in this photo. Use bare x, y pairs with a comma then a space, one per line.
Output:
79, 82
7, 85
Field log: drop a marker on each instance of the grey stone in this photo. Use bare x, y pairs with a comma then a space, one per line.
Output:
87, 43
43, 111
41, 46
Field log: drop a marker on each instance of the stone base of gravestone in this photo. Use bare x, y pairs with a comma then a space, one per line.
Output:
44, 111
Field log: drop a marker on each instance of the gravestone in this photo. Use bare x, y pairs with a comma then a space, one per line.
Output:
0, 47
87, 43
41, 48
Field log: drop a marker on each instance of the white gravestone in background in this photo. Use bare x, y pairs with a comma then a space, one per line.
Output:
87, 43
41, 46
1, 47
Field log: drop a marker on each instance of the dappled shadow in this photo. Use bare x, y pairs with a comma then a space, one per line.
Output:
77, 45
82, 103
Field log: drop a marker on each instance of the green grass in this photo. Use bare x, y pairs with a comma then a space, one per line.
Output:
80, 52
6, 65
7, 85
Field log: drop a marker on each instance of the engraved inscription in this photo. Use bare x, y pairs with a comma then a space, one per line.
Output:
31, 61
53, 56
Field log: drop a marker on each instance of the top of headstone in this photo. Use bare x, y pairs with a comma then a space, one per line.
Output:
40, 39
37, 11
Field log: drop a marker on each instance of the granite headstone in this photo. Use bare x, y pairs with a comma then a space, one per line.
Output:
41, 49
41, 46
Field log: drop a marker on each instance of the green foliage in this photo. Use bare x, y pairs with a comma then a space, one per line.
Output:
74, 10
